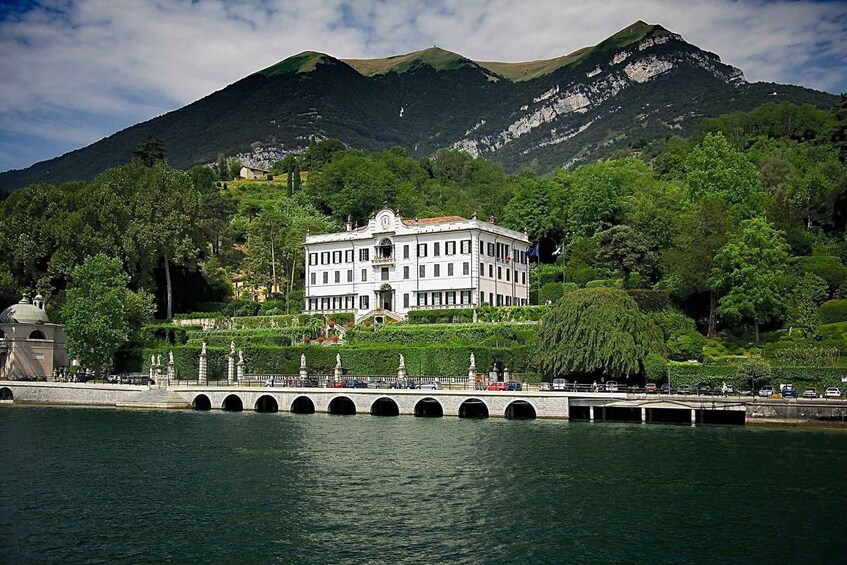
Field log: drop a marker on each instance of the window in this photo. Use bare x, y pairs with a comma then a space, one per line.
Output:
508, 273
313, 304
314, 278
436, 299
499, 300
491, 298
406, 272
466, 268
466, 297
523, 277
422, 250
421, 299
313, 258
364, 275
491, 250
348, 256
364, 302
422, 271
465, 246
490, 271
406, 300
325, 258
450, 248
337, 277
481, 298
482, 269
364, 255
449, 269
436, 270
384, 274
405, 252
481, 248
325, 303
436, 249
450, 297
516, 275
336, 257
326, 277
350, 275
499, 273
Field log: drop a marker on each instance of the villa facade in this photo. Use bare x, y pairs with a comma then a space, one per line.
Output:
394, 265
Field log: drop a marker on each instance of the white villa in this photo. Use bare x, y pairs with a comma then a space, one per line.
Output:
394, 265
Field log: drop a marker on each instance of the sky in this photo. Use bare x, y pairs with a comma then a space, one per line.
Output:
75, 71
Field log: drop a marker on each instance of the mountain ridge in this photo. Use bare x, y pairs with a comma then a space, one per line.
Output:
642, 82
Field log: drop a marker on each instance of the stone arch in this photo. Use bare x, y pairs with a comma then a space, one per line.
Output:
520, 410
429, 408
302, 405
473, 408
233, 403
6, 393
266, 403
37, 334
342, 406
2, 335
201, 402
385, 407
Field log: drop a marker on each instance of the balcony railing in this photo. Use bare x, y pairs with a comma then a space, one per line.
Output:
383, 260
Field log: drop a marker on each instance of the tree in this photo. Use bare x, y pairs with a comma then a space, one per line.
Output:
539, 206
149, 151
715, 169
98, 311
597, 331
751, 270
321, 153
233, 168
164, 226
807, 293
627, 249
839, 130
222, 168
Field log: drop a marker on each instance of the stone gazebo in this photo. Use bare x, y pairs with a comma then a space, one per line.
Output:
30, 346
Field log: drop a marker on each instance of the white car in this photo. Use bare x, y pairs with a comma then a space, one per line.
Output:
558, 384
832, 392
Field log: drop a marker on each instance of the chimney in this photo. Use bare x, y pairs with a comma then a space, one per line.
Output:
492, 220
349, 223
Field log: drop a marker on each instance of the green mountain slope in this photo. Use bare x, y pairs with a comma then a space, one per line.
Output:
643, 82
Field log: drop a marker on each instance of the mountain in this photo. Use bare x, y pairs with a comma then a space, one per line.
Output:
643, 82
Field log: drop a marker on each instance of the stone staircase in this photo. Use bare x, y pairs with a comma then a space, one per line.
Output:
155, 398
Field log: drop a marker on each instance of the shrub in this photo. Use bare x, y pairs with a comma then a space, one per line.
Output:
757, 370
833, 311
655, 367
551, 292
671, 321
650, 300
686, 345
580, 276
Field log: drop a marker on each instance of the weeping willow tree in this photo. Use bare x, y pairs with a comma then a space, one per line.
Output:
599, 331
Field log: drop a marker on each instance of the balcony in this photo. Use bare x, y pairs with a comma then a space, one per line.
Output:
378, 261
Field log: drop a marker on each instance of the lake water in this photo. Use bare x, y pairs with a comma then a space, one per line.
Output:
104, 485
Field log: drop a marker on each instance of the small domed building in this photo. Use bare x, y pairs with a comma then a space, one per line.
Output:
30, 346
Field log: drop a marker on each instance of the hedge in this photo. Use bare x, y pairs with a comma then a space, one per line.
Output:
694, 373
833, 311
650, 300
374, 359
488, 335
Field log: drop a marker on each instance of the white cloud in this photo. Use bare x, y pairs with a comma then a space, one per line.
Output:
129, 61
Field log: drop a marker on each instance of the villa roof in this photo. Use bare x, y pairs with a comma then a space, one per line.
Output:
430, 221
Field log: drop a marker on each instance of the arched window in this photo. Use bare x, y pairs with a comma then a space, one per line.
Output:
385, 249
37, 334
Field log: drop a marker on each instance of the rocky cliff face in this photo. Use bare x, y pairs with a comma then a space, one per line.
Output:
643, 82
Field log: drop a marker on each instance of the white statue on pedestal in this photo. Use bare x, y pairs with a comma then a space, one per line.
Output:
302, 359
473, 360
337, 359
203, 349
402, 362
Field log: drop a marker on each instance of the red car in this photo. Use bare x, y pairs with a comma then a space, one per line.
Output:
339, 384
498, 386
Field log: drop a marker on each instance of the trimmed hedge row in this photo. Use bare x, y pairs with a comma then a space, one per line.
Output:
483, 313
382, 359
819, 377
496, 335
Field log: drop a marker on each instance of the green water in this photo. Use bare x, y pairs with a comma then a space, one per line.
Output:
106, 485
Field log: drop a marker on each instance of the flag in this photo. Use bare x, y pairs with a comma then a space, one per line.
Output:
533, 251
558, 249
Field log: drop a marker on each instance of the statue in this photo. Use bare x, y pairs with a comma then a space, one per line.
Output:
152, 360
302, 359
170, 357
240, 356
402, 362
203, 349
232, 347
159, 360
473, 360
337, 359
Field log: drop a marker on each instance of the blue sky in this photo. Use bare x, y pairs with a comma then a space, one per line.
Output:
75, 71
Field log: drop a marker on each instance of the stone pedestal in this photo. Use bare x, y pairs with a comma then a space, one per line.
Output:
693, 417
643, 415
239, 368
230, 368
591, 413
203, 370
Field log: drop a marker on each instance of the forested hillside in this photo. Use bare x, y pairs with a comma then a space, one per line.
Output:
731, 241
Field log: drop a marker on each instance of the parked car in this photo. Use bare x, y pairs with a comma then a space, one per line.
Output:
650, 388
352, 383
810, 392
338, 384
745, 390
704, 388
766, 391
612, 386
559, 384
377, 384
683, 389
832, 392
498, 386
429, 386
514, 385
666, 388
728, 389
788, 391
545, 386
